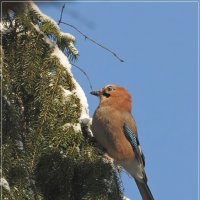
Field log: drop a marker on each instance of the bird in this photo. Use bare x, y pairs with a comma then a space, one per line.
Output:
115, 129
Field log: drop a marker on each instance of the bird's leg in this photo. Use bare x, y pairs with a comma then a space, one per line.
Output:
108, 158
115, 164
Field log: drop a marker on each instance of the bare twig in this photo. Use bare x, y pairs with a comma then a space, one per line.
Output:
73, 63
92, 40
87, 37
63, 7
84, 74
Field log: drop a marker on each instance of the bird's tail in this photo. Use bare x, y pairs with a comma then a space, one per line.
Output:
144, 190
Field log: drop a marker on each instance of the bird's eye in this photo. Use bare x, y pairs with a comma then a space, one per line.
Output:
110, 88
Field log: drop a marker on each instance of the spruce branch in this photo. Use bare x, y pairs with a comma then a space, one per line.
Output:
86, 36
40, 128
56, 160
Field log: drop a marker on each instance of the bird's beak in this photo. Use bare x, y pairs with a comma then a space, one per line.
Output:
95, 93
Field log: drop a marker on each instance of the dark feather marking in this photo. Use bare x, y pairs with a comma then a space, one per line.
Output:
133, 139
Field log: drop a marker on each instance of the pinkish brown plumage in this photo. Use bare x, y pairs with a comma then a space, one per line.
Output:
113, 112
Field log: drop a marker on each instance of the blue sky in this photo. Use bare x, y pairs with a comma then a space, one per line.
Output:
159, 43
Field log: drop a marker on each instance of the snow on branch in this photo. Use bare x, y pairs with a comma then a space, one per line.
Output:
78, 91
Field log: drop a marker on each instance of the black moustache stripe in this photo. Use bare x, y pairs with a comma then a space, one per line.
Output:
106, 94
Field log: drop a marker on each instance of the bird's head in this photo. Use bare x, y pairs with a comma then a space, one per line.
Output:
114, 95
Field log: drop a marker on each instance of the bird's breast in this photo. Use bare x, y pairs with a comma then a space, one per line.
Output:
107, 127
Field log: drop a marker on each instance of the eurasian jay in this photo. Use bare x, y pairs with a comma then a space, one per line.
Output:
115, 130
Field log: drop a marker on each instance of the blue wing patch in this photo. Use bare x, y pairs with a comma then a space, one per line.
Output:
133, 139
131, 136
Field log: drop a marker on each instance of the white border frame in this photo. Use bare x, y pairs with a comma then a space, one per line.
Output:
110, 1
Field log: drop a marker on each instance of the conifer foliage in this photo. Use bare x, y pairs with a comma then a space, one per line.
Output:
45, 156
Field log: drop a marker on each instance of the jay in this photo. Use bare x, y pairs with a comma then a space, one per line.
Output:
115, 130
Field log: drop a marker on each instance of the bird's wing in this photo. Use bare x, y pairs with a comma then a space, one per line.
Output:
134, 141
141, 184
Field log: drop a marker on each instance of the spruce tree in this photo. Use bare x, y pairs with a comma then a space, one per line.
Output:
44, 153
